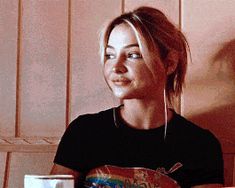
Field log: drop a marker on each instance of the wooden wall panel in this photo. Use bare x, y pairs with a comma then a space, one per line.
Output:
89, 92
209, 96
3, 156
169, 7
28, 163
8, 55
43, 68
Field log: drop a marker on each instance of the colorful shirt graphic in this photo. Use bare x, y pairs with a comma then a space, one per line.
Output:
117, 177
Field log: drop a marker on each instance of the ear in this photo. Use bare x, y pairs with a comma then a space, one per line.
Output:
171, 61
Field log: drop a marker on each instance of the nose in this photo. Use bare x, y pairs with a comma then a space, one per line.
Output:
119, 66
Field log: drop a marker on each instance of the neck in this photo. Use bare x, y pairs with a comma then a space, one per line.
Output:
144, 114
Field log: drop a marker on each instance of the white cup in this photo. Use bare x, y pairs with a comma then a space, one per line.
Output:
48, 181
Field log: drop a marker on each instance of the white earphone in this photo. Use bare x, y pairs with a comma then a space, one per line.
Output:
165, 113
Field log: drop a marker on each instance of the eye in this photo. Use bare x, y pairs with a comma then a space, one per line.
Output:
109, 56
134, 55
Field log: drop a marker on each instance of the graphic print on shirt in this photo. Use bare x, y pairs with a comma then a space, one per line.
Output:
119, 177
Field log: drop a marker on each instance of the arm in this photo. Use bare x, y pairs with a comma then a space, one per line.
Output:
69, 158
58, 169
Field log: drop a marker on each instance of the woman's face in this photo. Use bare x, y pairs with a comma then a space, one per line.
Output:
125, 70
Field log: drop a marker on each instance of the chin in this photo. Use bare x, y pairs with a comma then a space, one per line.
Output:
120, 95
124, 95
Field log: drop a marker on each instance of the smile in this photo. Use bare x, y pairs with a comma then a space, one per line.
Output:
121, 82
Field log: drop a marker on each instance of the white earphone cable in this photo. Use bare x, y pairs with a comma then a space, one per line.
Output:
165, 113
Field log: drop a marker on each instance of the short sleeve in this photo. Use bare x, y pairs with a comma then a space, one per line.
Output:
212, 163
70, 150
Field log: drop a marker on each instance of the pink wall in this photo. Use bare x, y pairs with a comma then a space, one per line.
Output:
50, 73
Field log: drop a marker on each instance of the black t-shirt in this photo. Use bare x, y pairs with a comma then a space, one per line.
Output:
94, 140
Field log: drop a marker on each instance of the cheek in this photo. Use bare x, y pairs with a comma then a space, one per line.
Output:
156, 69
156, 78
144, 73
105, 71
158, 74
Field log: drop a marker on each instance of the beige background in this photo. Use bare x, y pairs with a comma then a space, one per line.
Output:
50, 72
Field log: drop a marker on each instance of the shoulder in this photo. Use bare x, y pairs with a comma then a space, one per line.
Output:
199, 151
195, 143
183, 126
189, 131
92, 120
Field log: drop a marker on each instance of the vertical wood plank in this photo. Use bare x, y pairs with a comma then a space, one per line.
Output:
169, 7
8, 54
3, 156
89, 92
209, 96
68, 73
28, 163
43, 68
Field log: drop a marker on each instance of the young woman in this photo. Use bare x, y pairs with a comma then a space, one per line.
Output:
143, 142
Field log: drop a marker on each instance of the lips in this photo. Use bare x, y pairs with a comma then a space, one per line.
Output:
121, 81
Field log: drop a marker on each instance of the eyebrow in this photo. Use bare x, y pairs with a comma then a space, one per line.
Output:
127, 46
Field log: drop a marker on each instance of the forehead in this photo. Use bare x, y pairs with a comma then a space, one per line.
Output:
121, 36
